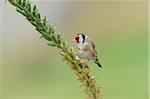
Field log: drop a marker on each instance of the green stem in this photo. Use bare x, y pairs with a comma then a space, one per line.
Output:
80, 68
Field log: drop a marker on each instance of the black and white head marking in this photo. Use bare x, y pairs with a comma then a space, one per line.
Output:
83, 37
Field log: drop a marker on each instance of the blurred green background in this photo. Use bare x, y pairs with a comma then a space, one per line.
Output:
30, 69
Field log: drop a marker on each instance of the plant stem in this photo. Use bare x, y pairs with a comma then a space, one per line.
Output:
48, 32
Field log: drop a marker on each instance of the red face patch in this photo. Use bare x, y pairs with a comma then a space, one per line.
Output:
77, 39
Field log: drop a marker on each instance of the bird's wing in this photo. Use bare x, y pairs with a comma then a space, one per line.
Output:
93, 46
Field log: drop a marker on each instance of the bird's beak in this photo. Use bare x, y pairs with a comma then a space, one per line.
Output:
73, 40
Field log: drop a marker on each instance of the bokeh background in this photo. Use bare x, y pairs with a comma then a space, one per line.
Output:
29, 69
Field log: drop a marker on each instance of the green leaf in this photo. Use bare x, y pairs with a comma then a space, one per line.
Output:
65, 45
39, 24
49, 30
20, 2
34, 8
33, 23
20, 11
44, 20
34, 14
38, 16
29, 18
51, 44
28, 6
39, 29
13, 2
24, 3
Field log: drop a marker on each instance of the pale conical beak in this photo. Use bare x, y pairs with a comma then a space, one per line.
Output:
73, 40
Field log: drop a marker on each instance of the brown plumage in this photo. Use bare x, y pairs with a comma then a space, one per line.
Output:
86, 48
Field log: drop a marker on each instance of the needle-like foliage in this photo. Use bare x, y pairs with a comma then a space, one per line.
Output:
53, 37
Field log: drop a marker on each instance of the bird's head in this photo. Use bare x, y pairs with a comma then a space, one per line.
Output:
80, 38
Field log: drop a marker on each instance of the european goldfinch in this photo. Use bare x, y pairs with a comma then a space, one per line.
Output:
86, 48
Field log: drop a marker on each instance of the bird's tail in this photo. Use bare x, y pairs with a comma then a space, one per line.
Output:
97, 62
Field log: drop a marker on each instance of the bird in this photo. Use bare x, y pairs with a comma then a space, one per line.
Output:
86, 48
